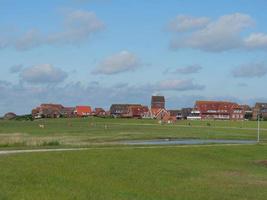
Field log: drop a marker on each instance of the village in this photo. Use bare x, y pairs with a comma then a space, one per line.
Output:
202, 110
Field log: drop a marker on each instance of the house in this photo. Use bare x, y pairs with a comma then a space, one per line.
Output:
130, 111
147, 114
68, 112
194, 115
47, 111
221, 110
157, 102
177, 114
248, 112
167, 118
260, 109
83, 111
237, 112
10, 116
121, 110
135, 111
100, 112
185, 112
159, 113
138, 111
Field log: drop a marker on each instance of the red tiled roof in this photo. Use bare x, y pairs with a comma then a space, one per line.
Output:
205, 106
83, 110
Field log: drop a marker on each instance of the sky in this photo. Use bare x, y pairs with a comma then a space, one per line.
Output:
99, 52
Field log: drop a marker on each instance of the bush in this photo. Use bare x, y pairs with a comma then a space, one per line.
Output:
17, 144
51, 143
24, 118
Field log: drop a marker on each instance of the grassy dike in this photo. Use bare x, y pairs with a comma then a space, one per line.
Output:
169, 173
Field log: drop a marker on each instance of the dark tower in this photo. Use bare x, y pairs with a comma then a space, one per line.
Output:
157, 102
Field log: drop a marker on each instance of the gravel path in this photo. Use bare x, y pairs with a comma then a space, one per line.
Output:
8, 152
4, 152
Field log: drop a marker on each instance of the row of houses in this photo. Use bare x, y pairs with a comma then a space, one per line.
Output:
58, 110
223, 110
217, 110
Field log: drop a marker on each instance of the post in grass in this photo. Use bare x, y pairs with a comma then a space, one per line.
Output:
258, 138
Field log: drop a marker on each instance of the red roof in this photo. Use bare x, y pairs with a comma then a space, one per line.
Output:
208, 106
83, 110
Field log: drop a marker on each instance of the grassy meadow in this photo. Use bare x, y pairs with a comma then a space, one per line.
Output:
169, 173
88, 131
112, 171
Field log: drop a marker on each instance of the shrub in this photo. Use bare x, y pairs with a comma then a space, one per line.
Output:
51, 143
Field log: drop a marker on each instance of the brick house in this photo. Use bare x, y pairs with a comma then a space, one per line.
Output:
48, 111
159, 113
259, 109
83, 111
221, 110
129, 110
99, 112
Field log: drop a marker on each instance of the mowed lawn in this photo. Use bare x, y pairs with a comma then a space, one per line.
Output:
169, 173
85, 131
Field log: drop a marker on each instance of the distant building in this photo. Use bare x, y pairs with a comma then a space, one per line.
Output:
185, 112
9, 116
138, 111
99, 112
217, 110
260, 109
120, 110
248, 112
129, 110
83, 111
177, 114
48, 111
67, 112
157, 102
159, 113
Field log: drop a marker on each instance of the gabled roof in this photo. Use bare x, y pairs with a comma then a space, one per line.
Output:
157, 111
83, 109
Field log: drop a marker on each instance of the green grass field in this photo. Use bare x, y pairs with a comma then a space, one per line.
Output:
169, 173
88, 131
114, 171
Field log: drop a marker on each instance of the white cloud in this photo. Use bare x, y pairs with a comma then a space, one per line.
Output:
182, 23
30, 39
117, 63
250, 70
179, 85
78, 26
256, 41
44, 73
222, 34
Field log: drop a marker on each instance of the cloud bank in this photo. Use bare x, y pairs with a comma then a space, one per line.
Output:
117, 63
225, 33
78, 26
43, 74
250, 70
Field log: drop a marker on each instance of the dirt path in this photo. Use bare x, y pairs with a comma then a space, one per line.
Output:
8, 152
4, 152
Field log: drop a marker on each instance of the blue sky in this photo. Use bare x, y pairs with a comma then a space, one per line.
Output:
98, 52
